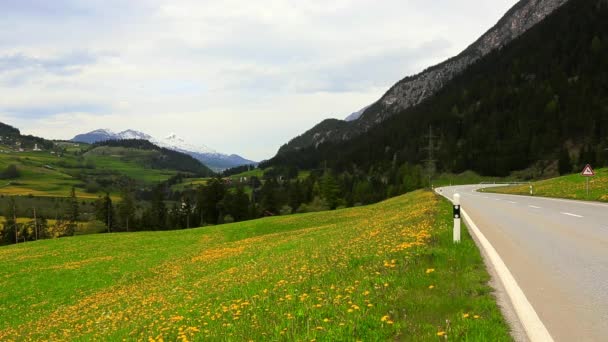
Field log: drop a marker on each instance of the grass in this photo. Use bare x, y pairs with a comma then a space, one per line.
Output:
45, 174
570, 187
467, 177
251, 173
190, 183
383, 272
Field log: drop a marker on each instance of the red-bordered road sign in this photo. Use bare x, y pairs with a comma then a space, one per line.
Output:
588, 171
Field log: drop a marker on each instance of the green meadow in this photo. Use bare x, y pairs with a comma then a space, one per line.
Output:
572, 186
382, 272
46, 174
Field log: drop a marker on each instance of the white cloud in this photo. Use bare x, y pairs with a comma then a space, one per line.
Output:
239, 76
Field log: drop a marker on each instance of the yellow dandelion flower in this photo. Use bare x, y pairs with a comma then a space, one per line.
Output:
430, 270
476, 316
431, 287
466, 315
441, 333
385, 318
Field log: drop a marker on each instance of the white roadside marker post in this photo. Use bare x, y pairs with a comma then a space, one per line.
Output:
456, 218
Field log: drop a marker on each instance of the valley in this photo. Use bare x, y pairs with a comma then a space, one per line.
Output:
451, 208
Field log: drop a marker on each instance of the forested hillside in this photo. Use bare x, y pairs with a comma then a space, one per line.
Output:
12, 138
162, 159
545, 92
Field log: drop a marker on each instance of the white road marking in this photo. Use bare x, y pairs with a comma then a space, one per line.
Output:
573, 215
512, 202
534, 327
535, 207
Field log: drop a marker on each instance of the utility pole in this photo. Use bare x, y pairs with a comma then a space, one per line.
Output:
35, 224
15, 223
431, 162
109, 207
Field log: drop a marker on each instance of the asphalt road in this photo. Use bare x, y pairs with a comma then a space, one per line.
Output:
557, 250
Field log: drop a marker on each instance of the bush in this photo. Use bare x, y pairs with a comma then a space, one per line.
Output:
228, 219
92, 187
317, 204
285, 210
91, 227
11, 172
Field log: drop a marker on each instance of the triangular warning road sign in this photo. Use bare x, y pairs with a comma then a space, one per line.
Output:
588, 171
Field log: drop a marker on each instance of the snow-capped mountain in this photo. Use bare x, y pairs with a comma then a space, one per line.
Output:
131, 134
214, 160
174, 142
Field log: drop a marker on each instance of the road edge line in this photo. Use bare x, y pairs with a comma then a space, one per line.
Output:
533, 326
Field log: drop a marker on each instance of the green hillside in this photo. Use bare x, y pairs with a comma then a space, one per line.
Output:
545, 91
45, 174
571, 187
382, 272
53, 171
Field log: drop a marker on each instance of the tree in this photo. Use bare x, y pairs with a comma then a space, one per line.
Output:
239, 206
104, 211
11, 172
294, 196
330, 191
73, 212
126, 209
564, 163
158, 210
596, 44
10, 229
269, 197
209, 201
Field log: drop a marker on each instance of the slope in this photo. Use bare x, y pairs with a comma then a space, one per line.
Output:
523, 103
149, 155
382, 272
412, 90
214, 160
572, 186
92, 170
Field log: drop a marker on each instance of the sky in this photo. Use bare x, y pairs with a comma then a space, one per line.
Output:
240, 77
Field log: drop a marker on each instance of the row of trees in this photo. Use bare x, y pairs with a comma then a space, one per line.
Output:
279, 192
14, 230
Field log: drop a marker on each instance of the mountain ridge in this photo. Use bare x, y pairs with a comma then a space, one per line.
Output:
540, 97
214, 160
412, 90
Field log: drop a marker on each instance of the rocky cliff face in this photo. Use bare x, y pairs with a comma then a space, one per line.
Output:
415, 89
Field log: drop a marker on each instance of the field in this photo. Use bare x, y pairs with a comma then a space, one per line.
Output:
570, 187
190, 183
383, 272
45, 174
